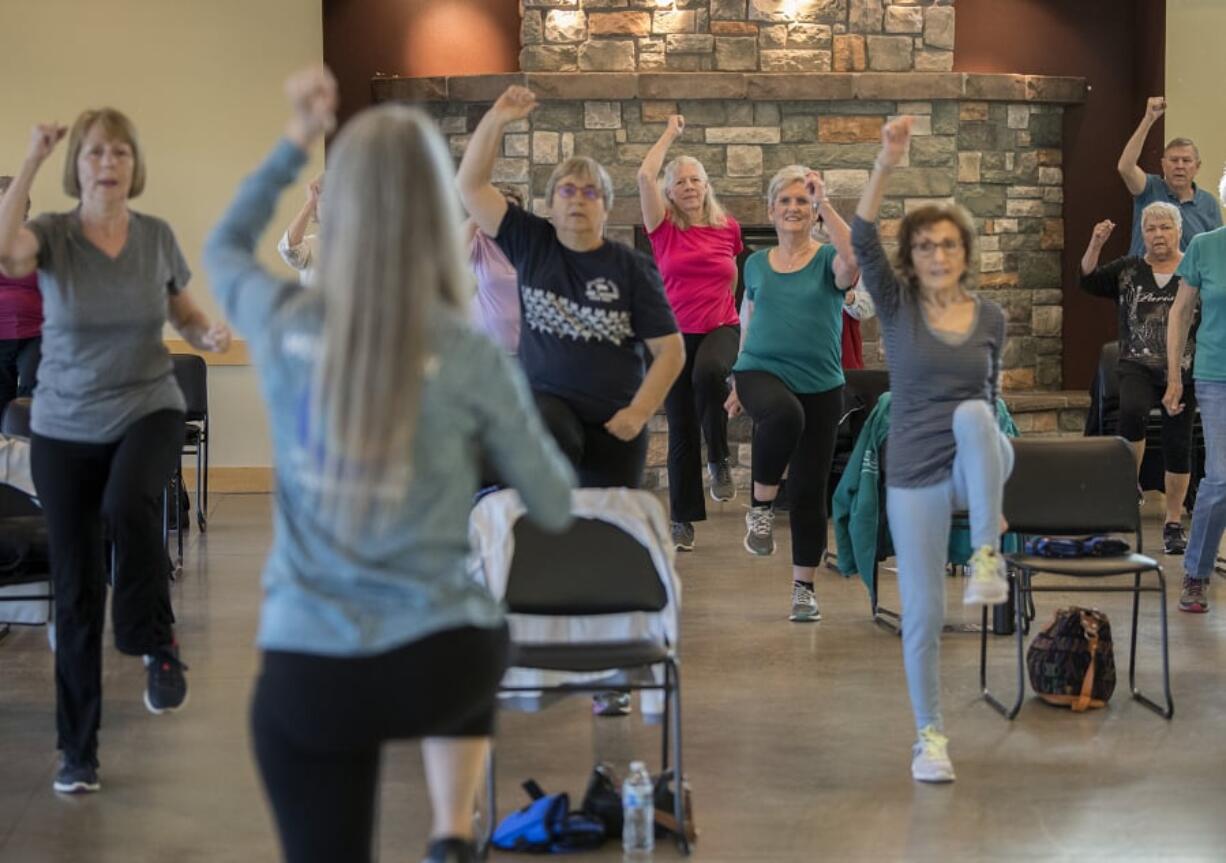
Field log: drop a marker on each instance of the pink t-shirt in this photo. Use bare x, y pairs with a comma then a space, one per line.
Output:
699, 269
21, 307
495, 308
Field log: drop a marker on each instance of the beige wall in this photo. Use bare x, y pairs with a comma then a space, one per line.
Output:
1195, 71
203, 83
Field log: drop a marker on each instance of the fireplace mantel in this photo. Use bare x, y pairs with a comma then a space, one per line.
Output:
756, 86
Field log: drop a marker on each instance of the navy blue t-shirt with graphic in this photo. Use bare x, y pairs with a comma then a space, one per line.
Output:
584, 315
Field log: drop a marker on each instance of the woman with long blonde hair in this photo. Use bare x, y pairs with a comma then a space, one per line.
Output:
382, 402
696, 244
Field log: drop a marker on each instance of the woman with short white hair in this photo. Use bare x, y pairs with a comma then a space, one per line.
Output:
1143, 289
789, 375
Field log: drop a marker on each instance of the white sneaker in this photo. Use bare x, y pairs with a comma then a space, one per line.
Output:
930, 757
985, 583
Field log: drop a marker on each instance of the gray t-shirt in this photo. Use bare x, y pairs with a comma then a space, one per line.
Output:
104, 363
931, 373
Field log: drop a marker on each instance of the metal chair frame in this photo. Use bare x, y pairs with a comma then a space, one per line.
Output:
1089, 480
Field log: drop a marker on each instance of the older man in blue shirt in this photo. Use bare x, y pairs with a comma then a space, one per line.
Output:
1180, 162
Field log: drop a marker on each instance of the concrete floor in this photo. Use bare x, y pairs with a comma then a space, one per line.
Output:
797, 736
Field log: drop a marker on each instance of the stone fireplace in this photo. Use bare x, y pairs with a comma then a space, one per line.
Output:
768, 83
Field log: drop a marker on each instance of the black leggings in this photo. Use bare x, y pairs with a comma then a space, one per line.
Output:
87, 491
19, 359
795, 431
1140, 389
319, 723
601, 460
695, 409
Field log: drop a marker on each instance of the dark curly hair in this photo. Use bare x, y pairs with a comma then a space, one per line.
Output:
926, 217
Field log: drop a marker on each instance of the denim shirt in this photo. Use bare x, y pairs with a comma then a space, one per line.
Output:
395, 584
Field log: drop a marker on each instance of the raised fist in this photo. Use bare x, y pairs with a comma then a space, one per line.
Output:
1155, 107
895, 139
816, 188
43, 139
1102, 231
515, 103
312, 97
676, 124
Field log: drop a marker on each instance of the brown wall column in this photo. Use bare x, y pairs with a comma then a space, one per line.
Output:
1121, 52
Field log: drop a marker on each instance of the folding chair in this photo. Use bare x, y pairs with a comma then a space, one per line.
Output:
594, 569
1064, 488
25, 577
193, 376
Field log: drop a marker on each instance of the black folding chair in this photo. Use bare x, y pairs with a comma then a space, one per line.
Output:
1068, 487
193, 376
594, 568
25, 563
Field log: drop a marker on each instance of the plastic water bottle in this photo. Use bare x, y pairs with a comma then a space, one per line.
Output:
638, 813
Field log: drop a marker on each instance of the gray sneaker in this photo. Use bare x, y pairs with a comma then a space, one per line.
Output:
683, 535
804, 605
722, 487
760, 531
1194, 599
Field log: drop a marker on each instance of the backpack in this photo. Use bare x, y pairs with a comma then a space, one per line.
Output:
546, 825
1071, 662
602, 801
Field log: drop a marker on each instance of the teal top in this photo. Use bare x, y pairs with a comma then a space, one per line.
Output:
796, 330
1204, 267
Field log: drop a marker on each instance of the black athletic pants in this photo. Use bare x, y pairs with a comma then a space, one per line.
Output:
695, 409
600, 459
319, 723
795, 431
90, 492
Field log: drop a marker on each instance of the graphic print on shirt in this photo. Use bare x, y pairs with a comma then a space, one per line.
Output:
601, 291
1148, 310
546, 312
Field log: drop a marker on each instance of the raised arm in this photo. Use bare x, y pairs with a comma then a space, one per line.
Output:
1098, 238
1178, 322
895, 139
650, 197
18, 244
845, 270
246, 292
290, 247
483, 201
1130, 171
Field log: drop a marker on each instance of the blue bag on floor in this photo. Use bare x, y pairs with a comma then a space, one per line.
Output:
546, 825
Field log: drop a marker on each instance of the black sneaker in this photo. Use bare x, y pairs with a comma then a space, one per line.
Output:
76, 777
723, 489
166, 689
683, 535
1173, 539
451, 850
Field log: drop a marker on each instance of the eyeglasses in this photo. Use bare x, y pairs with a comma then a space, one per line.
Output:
569, 190
928, 247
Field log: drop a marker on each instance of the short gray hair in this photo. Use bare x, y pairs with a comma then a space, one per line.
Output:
1163, 208
1182, 142
784, 177
585, 168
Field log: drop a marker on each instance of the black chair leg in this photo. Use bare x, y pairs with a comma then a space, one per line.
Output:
1016, 581
668, 714
683, 844
1167, 710
202, 477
